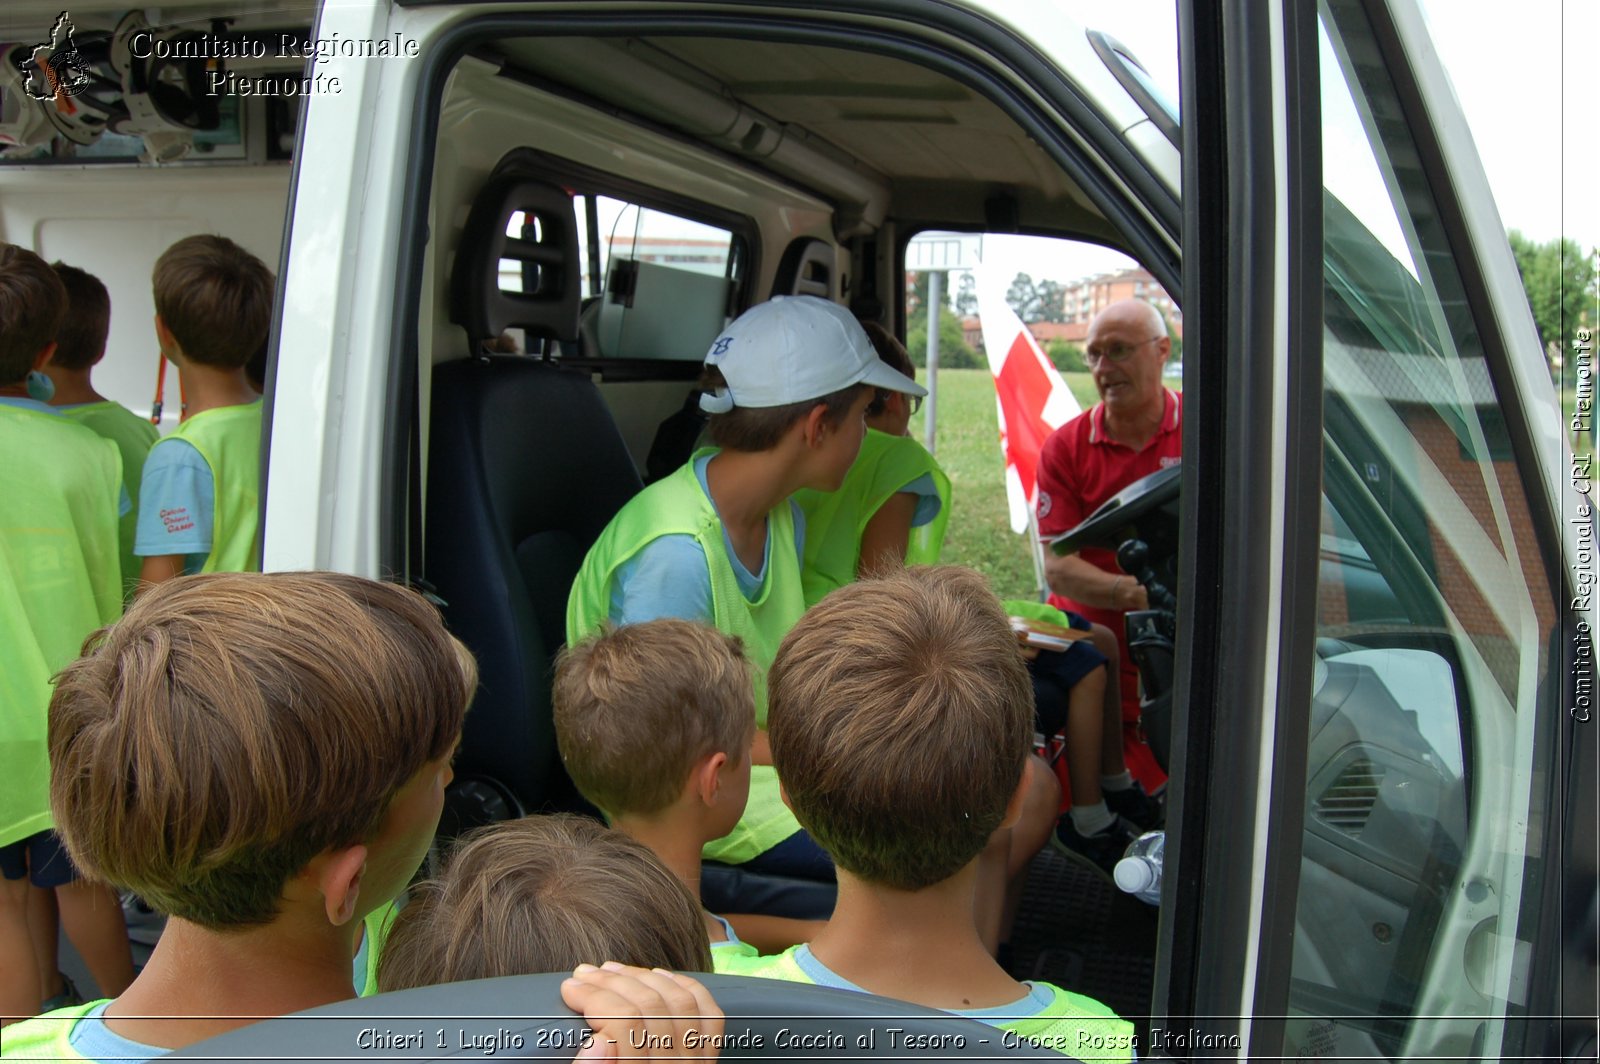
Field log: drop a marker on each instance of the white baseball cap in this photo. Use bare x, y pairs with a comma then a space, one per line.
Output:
794, 348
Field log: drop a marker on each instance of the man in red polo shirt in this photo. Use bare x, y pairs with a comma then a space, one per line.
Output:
1135, 430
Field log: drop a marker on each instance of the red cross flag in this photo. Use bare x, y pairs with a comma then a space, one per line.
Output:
1032, 398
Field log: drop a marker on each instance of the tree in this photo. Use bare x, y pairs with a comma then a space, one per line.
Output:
1559, 281
1066, 356
1036, 301
954, 352
967, 294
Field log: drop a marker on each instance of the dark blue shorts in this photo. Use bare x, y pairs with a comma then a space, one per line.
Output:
41, 858
797, 856
1055, 672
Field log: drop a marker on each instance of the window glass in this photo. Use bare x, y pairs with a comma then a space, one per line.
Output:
1434, 618
666, 286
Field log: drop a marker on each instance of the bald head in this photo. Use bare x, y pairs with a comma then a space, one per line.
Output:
1125, 349
1135, 312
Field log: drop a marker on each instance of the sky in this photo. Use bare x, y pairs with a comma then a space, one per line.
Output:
1526, 85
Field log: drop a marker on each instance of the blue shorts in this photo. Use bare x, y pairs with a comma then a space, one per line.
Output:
1054, 674
797, 856
39, 857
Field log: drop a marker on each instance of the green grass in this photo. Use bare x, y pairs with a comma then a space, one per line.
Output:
968, 447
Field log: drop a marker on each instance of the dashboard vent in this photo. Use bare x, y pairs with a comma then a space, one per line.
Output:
1348, 800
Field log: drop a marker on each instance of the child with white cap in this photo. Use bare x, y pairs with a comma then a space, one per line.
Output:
787, 385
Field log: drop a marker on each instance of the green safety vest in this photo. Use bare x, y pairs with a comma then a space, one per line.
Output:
48, 1037
229, 439
60, 579
676, 505
134, 436
835, 520
377, 924
1073, 1024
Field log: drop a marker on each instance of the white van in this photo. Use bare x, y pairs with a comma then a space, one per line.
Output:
1382, 818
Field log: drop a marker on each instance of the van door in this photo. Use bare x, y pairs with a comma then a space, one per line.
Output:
1384, 653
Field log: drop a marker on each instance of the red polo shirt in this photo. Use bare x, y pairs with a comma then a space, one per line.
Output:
1081, 467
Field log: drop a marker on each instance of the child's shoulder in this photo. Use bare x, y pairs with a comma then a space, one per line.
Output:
48, 1036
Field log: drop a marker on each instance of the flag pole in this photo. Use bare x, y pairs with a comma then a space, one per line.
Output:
1036, 552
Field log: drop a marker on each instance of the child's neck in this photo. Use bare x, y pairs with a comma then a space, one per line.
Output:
201, 983
919, 946
745, 486
676, 843
73, 387
212, 387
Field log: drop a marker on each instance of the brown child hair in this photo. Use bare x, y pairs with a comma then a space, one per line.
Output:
900, 715
543, 894
81, 340
215, 298
637, 707
32, 306
232, 726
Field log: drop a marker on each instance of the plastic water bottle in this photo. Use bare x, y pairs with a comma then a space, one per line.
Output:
1139, 871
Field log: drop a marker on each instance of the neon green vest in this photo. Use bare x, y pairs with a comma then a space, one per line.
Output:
59, 580
47, 1037
1073, 1024
377, 924
229, 439
676, 505
835, 520
927, 541
134, 436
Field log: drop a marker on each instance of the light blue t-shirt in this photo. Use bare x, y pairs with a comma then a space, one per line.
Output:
1033, 1002
177, 505
928, 501
124, 502
670, 577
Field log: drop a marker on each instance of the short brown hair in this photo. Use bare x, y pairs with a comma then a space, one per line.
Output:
900, 715
81, 340
636, 707
892, 352
759, 428
543, 894
32, 304
216, 298
232, 726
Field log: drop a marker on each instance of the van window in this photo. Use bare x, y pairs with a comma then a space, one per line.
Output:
655, 285
1435, 620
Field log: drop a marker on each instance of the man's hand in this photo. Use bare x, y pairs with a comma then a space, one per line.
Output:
637, 1013
1072, 577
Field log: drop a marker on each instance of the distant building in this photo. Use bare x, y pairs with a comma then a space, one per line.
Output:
1088, 297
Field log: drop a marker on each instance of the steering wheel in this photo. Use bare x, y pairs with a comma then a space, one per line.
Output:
1147, 509
522, 1016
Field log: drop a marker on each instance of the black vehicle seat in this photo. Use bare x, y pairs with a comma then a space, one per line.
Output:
525, 469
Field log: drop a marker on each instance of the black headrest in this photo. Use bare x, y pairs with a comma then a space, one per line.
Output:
548, 304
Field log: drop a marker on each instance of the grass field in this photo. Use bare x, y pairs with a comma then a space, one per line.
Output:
968, 447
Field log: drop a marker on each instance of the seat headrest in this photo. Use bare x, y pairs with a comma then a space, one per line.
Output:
547, 307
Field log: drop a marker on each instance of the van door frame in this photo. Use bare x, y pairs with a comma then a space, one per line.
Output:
1252, 234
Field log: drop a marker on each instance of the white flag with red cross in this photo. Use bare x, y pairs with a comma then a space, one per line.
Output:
1032, 399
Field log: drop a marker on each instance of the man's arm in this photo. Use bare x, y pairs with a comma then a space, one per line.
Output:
1071, 577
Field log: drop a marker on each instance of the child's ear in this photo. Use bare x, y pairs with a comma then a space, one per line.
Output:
46, 353
708, 777
164, 337
338, 879
817, 425
1018, 796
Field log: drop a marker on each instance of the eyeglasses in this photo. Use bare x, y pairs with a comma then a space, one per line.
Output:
1117, 352
914, 401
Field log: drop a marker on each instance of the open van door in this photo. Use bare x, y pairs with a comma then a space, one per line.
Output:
1385, 781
